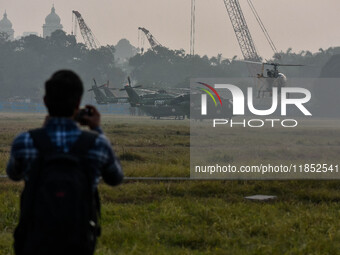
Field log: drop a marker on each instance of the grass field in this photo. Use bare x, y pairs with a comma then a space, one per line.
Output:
195, 217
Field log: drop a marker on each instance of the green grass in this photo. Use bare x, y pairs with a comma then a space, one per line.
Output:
196, 217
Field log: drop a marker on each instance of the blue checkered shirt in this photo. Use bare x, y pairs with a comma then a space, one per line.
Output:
63, 133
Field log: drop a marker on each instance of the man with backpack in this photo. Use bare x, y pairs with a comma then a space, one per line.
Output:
61, 166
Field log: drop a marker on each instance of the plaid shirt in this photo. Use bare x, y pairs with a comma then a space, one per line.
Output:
64, 133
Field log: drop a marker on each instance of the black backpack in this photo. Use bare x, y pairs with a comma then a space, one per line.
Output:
59, 204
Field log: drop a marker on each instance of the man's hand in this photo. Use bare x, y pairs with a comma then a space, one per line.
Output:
93, 120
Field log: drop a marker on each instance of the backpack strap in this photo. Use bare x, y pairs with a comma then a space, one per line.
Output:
43, 143
41, 140
84, 143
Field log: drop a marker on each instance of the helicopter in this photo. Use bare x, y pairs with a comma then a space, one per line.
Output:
98, 94
108, 97
159, 104
147, 98
112, 98
107, 90
271, 78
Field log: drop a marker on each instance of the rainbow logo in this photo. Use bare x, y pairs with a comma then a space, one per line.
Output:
209, 93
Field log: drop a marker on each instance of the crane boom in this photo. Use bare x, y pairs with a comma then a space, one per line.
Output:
152, 40
241, 30
90, 40
193, 27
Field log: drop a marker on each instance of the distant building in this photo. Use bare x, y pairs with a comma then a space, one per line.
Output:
52, 23
24, 34
29, 33
124, 50
6, 27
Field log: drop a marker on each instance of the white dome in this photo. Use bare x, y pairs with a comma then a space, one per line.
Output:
5, 23
52, 18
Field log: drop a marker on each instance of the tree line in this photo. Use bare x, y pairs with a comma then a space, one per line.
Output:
26, 63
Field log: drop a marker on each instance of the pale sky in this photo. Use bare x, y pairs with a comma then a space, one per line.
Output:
300, 24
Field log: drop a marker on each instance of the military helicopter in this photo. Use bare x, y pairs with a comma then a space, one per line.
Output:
107, 90
147, 98
178, 107
98, 94
112, 98
159, 104
108, 97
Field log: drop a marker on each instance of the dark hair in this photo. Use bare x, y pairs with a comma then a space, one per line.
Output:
63, 91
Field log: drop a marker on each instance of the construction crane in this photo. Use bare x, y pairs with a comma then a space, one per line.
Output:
152, 40
192, 29
263, 28
274, 78
90, 40
241, 30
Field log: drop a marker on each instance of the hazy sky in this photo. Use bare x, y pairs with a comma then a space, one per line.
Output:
300, 24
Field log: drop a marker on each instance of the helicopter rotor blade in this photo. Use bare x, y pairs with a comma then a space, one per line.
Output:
135, 87
278, 64
248, 61
267, 63
102, 86
290, 65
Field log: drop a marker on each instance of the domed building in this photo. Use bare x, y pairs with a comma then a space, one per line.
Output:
52, 23
6, 27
